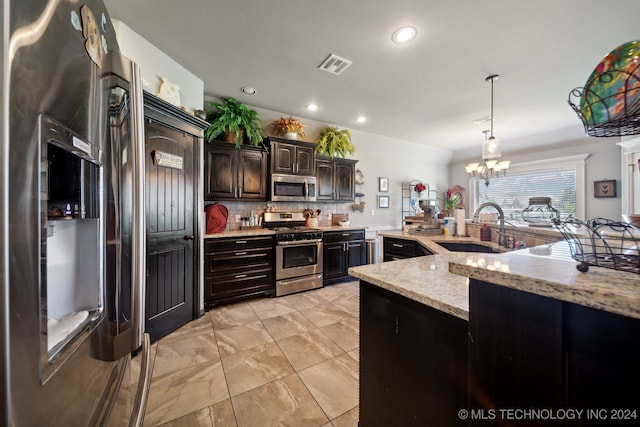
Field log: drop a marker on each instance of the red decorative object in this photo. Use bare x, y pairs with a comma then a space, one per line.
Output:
419, 187
217, 216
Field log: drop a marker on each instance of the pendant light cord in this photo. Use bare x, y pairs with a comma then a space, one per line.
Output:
492, 78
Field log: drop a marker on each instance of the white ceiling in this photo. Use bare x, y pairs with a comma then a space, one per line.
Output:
428, 91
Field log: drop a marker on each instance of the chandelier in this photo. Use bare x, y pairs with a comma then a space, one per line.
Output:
491, 166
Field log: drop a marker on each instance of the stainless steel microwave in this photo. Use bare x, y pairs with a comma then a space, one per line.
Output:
293, 188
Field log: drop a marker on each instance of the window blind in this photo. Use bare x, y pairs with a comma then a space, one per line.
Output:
512, 192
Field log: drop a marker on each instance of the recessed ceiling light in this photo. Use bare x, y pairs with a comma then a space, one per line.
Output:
361, 119
404, 35
248, 90
311, 107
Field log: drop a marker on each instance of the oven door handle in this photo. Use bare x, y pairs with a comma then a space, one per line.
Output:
299, 242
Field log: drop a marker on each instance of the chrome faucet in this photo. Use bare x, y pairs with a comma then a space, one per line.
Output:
502, 237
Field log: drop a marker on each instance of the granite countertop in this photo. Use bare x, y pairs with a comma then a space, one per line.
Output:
425, 279
266, 232
546, 270
550, 271
429, 242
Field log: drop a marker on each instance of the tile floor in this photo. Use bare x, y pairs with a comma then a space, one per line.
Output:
286, 361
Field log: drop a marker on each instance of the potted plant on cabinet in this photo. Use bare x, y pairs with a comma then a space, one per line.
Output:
290, 128
235, 120
335, 142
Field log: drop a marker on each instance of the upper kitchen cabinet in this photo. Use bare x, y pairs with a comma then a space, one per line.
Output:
335, 179
232, 174
292, 157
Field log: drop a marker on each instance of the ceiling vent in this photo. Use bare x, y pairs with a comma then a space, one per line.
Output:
334, 64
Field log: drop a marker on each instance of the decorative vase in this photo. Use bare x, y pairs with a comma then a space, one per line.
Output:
291, 135
540, 212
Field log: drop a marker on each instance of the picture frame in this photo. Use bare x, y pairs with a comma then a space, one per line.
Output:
383, 185
604, 188
383, 201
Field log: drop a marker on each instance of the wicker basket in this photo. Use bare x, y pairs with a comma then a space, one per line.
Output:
603, 243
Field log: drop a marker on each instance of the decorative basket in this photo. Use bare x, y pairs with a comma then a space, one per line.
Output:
603, 243
609, 103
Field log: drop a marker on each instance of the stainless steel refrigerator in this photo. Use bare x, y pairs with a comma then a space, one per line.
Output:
72, 221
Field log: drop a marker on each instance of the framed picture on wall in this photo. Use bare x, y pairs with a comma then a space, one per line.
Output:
605, 188
383, 185
383, 201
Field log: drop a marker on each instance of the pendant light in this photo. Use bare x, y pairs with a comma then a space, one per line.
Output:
491, 150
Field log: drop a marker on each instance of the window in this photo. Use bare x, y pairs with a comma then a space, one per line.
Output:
561, 179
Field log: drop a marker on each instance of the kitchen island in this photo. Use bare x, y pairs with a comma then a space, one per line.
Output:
540, 335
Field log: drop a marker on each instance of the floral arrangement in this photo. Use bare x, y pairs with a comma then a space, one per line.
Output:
290, 125
451, 199
419, 187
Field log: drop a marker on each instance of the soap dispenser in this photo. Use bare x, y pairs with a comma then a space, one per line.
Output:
485, 233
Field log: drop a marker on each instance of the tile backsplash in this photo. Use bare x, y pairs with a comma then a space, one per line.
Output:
244, 208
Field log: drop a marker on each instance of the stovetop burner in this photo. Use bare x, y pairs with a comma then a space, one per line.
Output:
288, 234
294, 229
289, 226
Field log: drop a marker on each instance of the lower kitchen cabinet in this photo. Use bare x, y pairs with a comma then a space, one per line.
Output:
532, 352
342, 249
413, 362
400, 249
237, 268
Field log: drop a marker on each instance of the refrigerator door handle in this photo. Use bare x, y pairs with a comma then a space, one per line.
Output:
138, 231
140, 404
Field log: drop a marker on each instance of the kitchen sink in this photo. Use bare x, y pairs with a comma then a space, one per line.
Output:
467, 247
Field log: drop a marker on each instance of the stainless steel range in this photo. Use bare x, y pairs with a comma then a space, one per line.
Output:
298, 252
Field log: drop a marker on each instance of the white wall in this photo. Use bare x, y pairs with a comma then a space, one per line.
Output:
603, 163
155, 64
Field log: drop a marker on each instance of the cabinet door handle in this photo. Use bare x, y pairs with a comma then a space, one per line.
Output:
240, 253
396, 245
346, 234
240, 241
240, 276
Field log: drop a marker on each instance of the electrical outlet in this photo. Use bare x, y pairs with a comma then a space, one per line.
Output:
237, 218
373, 211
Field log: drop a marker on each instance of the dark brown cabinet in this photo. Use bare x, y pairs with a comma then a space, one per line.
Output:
232, 174
238, 268
413, 362
335, 179
530, 351
292, 157
400, 248
341, 250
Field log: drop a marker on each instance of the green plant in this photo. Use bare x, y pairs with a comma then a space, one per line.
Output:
233, 117
290, 125
335, 142
450, 200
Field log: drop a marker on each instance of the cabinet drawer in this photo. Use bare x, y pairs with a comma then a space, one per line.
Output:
228, 285
342, 236
399, 247
237, 244
250, 259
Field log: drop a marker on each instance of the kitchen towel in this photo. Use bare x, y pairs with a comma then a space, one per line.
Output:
461, 229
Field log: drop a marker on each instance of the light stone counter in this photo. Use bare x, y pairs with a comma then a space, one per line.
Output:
430, 242
266, 232
241, 233
546, 270
550, 271
426, 280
